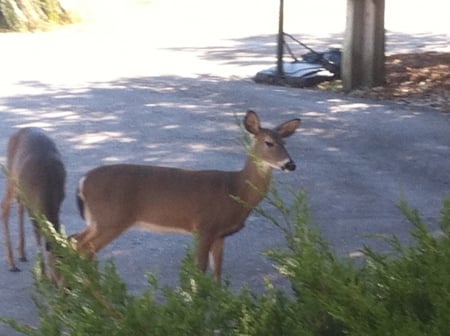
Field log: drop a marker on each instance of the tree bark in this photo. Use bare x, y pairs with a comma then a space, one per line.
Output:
363, 57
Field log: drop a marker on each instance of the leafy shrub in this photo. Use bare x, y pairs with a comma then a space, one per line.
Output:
28, 15
406, 293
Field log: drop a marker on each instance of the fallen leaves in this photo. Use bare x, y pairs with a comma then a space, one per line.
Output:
421, 79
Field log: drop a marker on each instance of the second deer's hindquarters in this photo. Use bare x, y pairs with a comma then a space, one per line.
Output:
36, 179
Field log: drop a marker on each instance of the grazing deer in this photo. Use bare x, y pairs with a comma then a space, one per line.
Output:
36, 178
117, 197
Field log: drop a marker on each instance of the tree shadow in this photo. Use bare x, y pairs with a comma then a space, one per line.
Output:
261, 49
397, 42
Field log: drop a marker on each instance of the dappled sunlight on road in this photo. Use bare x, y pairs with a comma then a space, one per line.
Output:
344, 108
87, 140
48, 120
166, 82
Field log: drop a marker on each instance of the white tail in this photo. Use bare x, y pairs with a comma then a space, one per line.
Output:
115, 198
36, 178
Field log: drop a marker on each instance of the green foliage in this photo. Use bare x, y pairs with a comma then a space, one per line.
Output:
405, 293
26, 15
414, 285
11, 16
54, 12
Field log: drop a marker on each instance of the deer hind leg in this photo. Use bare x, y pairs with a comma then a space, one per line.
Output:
6, 208
82, 240
93, 240
21, 216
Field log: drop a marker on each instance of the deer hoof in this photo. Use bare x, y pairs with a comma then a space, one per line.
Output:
14, 269
23, 259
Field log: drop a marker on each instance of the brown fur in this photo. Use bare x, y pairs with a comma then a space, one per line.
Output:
117, 197
36, 179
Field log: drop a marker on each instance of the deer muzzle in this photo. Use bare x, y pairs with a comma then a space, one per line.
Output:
289, 166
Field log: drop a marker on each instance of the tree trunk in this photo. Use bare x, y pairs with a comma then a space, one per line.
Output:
363, 57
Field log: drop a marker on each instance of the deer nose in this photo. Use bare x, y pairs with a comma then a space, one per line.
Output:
290, 166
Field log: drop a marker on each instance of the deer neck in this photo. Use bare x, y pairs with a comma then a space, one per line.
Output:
254, 181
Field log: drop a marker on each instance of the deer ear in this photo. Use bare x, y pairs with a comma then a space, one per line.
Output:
287, 128
251, 122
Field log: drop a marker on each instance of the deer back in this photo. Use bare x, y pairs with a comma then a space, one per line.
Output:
168, 199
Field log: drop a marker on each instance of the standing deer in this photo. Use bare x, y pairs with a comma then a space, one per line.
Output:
114, 198
36, 178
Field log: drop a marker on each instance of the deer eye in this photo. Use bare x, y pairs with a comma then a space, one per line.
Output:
269, 143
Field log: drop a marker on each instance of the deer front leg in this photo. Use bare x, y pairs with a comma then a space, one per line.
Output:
210, 250
204, 245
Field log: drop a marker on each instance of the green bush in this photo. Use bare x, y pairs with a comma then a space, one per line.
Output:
29, 15
405, 293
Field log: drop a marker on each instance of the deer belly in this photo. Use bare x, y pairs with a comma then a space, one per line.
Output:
146, 226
